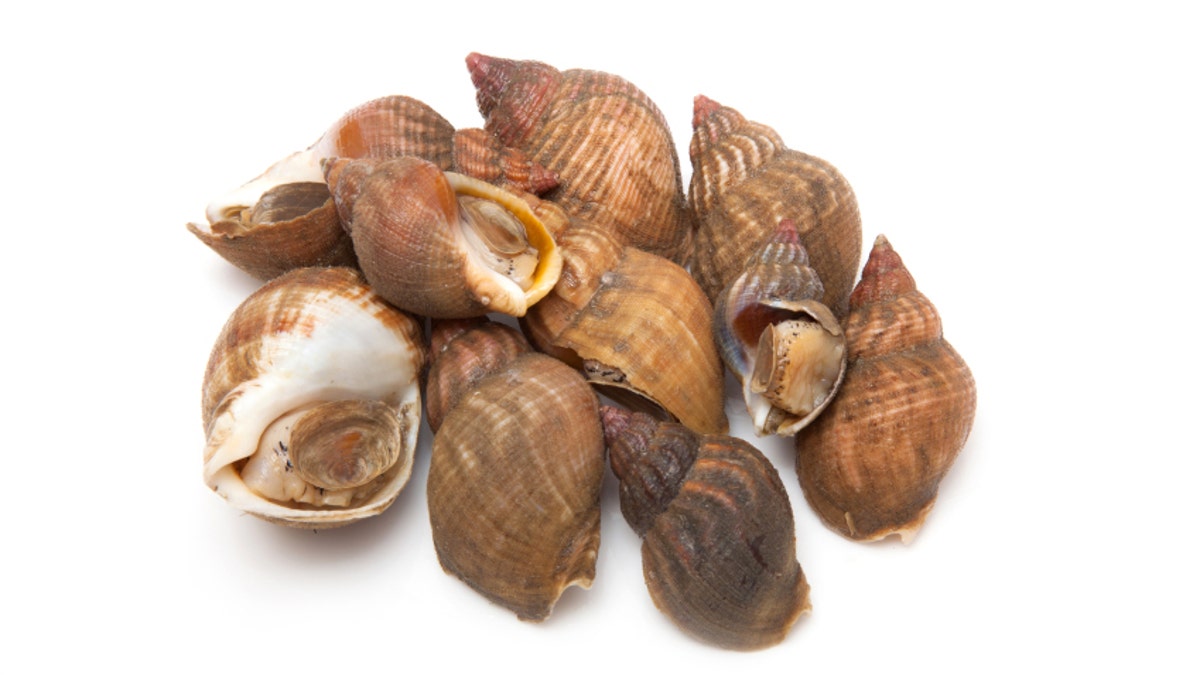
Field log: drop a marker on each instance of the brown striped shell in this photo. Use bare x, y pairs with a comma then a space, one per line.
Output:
782, 344
607, 142
441, 244
719, 545
311, 402
637, 325
745, 181
516, 470
285, 217
871, 464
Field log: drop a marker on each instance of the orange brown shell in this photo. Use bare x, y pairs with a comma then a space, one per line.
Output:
745, 181
635, 323
604, 138
871, 464
515, 478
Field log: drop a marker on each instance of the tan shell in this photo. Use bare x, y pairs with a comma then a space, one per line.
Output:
719, 544
515, 477
239, 229
745, 181
603, 137
313, 354
782, 344
416, 244
871, 464
635, 323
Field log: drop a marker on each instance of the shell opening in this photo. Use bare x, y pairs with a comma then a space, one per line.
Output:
329, 454
499, 239
798, 365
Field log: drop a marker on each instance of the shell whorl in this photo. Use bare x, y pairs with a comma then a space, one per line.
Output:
888, 313
604, 138
719, 547
745, 180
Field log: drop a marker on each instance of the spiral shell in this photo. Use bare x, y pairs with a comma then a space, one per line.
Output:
311, 403
637, 325
719, 545
871, 464
516, 469
603, 137
440, 244
285, 218
744, 181
784, 346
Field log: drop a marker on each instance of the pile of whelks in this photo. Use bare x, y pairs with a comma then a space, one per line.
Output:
567, 210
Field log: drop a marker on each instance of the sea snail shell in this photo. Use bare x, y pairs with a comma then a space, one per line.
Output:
637, 325
782, 343
719, 545
440, 244
311, 403
871, 464
745, 180
604, 138
285, 218
516, 469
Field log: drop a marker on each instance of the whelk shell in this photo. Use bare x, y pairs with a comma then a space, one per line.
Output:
784, 346
637, 325
871, 464
285, 218
516, 469
441, 244
745, 180
311, 402
604, 138
719, 544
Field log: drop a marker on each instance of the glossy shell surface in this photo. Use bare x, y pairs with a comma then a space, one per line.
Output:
312, 336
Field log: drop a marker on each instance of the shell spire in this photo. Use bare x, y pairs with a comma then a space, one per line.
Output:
884, 276
511, 95
607, 142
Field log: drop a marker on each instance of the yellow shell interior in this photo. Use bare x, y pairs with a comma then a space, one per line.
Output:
514, 249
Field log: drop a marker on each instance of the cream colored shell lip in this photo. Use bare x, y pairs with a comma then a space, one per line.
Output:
336, 346
303, 166
495, 291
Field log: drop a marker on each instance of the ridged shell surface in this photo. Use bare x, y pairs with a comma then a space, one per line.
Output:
408, 226
604, 138
745, 181
634, 322
514, 484
779, 291
871, 464
719, 546
311, 336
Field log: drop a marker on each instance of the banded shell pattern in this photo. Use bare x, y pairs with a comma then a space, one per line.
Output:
871, 464
311, 401
718, 539
516, 469
745, 181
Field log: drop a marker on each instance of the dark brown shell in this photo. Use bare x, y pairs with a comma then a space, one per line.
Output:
607, 142
515, 478
871, 464
719, 545
745, 181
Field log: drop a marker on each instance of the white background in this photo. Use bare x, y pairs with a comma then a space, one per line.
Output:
1034, 164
